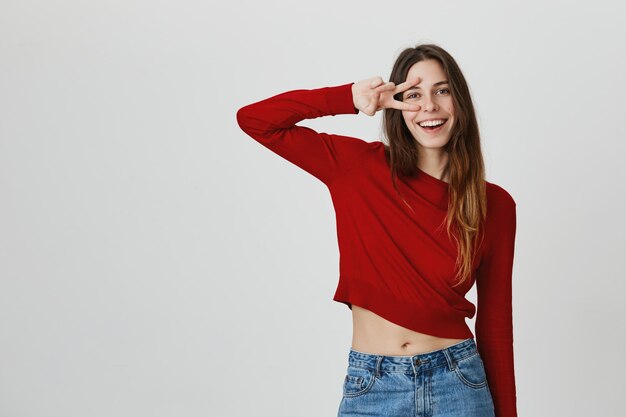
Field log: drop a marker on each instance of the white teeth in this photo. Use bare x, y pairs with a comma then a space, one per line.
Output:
432, 122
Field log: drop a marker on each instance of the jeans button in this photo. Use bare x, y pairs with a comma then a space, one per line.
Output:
417, 362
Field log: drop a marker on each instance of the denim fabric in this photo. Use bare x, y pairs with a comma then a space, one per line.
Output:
449, 382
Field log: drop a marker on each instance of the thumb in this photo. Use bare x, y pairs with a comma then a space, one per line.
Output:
376, 81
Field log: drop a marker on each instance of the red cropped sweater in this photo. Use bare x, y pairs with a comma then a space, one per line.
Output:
395, 262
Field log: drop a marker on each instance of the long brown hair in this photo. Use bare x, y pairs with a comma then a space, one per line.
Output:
467, 201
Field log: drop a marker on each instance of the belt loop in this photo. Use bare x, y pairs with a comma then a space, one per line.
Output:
451, 361
379, 361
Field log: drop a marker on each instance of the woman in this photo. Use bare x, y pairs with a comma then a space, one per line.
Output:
417, 225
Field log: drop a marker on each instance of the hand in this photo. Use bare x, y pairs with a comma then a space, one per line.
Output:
373, 94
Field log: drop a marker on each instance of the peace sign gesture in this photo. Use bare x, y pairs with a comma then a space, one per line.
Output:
373, 94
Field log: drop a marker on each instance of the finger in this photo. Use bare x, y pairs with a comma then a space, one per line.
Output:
400, 105
385, 87
408, 84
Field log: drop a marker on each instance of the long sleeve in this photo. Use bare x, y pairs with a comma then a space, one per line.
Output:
272, 122
494, 319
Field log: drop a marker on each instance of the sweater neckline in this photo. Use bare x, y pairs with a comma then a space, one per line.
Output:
432, 179
421, 174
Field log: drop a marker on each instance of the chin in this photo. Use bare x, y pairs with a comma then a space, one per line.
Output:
432, 144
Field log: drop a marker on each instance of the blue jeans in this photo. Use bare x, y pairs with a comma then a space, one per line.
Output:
449, 382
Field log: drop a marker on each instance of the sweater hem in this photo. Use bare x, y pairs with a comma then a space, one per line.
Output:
419, 318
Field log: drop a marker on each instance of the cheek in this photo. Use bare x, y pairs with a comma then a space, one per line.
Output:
408, 116
454, 124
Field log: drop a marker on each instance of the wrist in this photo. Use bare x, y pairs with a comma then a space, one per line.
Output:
352, 89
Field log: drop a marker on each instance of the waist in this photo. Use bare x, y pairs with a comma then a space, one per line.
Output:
409, 363
377, 335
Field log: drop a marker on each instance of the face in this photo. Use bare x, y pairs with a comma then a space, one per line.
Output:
433, 95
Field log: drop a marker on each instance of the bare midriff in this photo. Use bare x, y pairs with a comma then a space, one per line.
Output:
376, 335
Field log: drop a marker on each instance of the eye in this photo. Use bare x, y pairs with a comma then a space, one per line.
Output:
411, 94
444, 89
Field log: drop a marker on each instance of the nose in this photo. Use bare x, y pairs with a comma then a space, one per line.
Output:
428, 104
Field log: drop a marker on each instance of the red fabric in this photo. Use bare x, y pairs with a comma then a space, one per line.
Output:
394, 262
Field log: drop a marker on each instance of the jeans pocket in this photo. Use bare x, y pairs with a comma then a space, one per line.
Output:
358, 381
471, 371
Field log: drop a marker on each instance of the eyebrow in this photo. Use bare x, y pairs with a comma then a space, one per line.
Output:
434, 85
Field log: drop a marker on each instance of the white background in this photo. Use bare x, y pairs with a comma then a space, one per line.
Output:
156, 261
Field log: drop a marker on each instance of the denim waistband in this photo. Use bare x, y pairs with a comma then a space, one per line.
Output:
447, 356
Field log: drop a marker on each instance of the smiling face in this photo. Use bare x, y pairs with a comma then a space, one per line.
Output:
433, 95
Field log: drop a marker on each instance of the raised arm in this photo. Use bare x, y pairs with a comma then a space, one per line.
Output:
272, 123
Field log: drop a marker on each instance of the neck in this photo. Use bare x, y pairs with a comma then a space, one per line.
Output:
434, 165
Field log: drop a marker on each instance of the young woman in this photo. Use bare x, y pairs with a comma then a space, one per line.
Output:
417, 225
